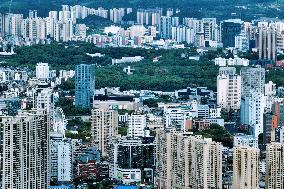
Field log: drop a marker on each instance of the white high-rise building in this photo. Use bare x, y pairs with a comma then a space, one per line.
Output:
183, 34
104, 127
42, 71
61, 161
245, 168
229, 91
252, 110
136, 125
185, 161
15, 25
24, 153
274, 177
116, 15
67, 30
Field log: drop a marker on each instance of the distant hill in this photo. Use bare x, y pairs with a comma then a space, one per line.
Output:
245, 9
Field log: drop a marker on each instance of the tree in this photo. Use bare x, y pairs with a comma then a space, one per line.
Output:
218, 134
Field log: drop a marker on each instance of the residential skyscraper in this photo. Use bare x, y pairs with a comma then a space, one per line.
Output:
245, 167
104, 127
274, 177
24, 152
84, 85
149, 16
166, 27
185, 161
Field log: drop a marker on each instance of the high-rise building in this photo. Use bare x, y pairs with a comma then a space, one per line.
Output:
229, 91
253, 78
149, 16
175, 21
242, 42
42, 71
229, 30
183, 34
267, 42
104, 127
44, 99
252, 110
15, 25
270, 124
136, 125
273, 122
24, 152
84, 85
185, 161
3, 18
67, 30
133, 160
116, 15
170, 12
245, 167
166, 27
61, 160
209, 28
274, 177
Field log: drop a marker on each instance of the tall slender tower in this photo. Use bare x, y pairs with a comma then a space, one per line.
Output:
84, 85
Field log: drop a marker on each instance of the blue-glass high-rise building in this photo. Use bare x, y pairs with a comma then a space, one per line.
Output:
229, 30
84, 85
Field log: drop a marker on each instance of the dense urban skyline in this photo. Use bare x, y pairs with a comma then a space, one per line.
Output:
118, 96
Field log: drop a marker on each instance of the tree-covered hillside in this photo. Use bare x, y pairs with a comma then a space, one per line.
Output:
173, 71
